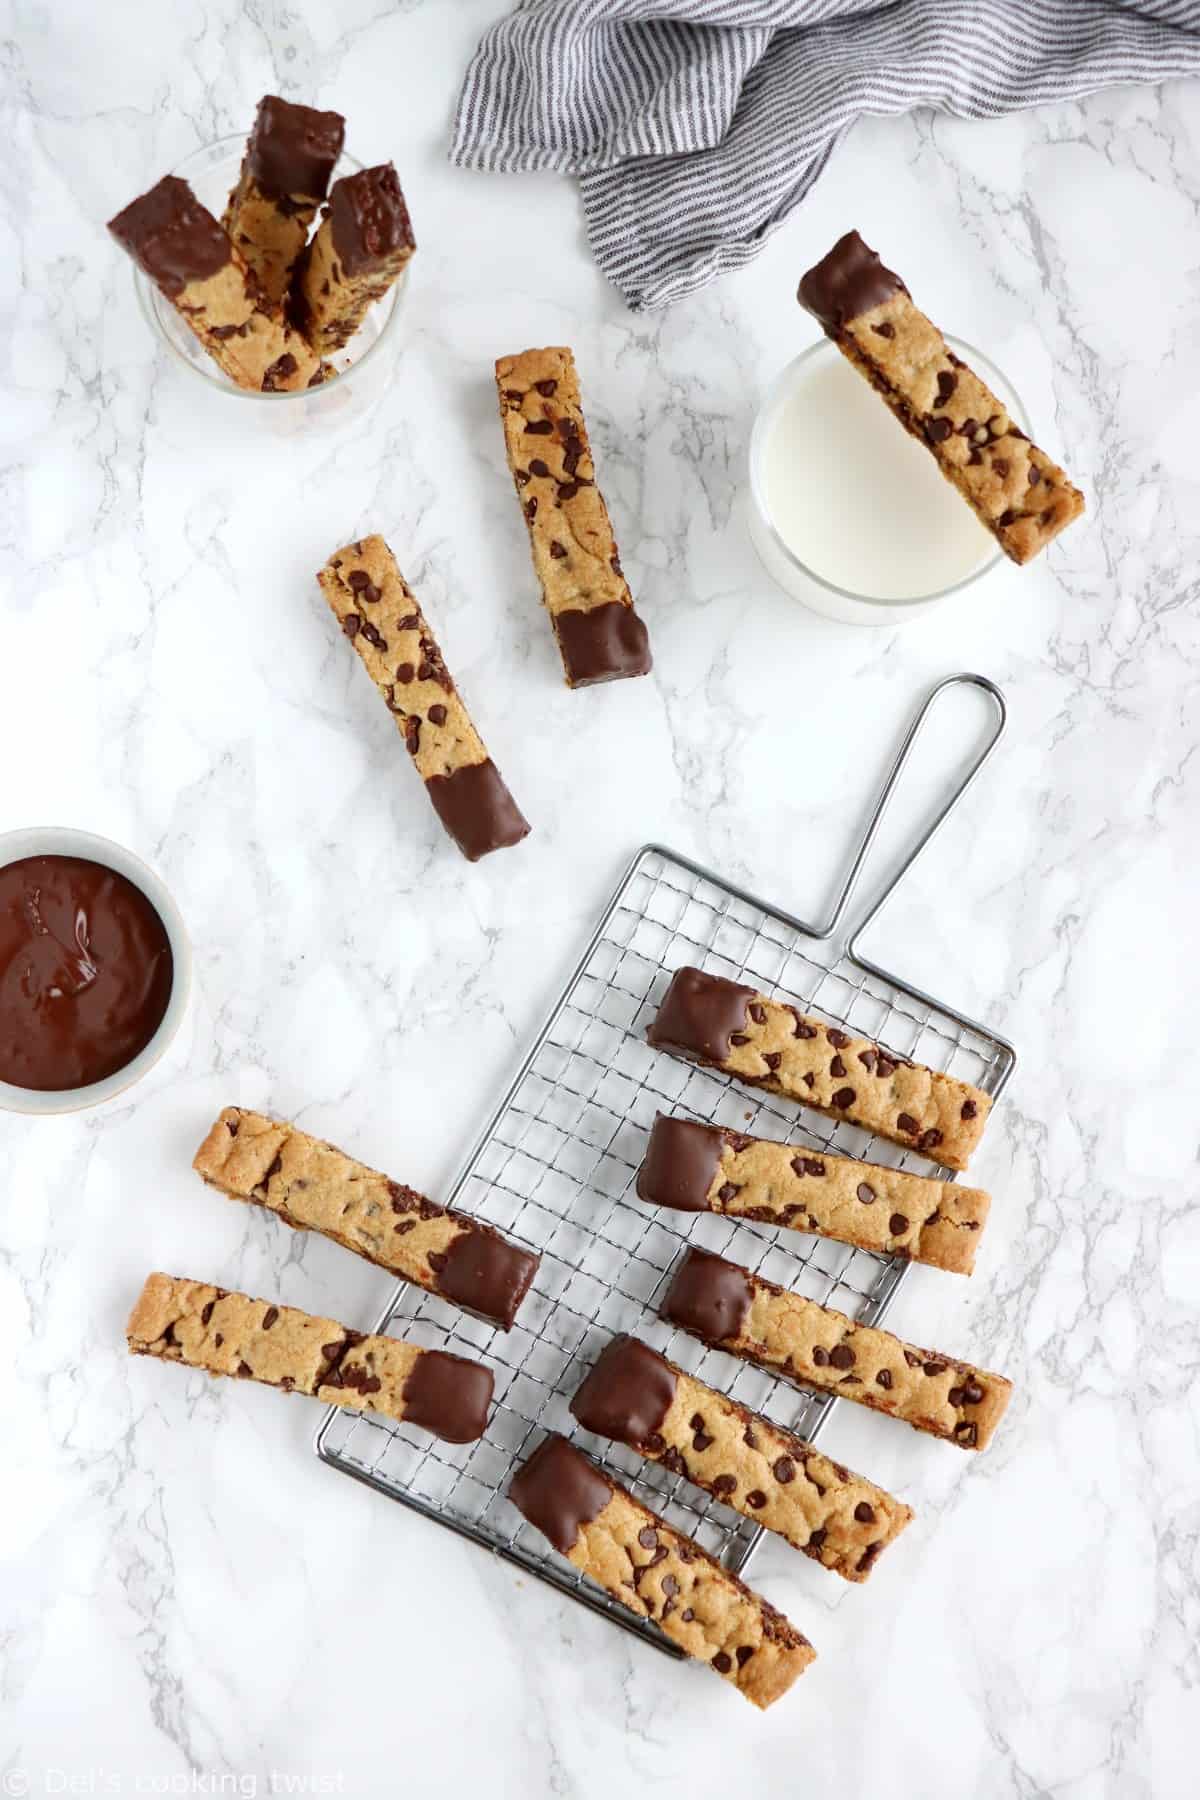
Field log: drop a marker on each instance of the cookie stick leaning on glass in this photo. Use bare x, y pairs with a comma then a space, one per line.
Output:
313, 1186
692, 1167
227, 1333
180, 246
771, 1044
362, 245
725, 1305
290, 155
378, 613
636, 1397
1014, 489
658, 1573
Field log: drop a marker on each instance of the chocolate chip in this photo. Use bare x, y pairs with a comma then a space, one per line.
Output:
912, 1359
897, 1224
837, 1038
1007, 517
844, 1098
744, 1653
728, 1191
938, 430
758, 1014
773, 1058
784, 1470
405, 672
412, 734
756, 1498
546, 388
371, 633
907, 1123
947, 382
749, 1438
244, 1369
867, 1558
802, 1028
884, 1065
513, 394
538, 467
969, 1109
1001, 466
817, 1539
722, 1662
739, 1038
724, 1484
538, 427
702, 1441
930, 1139
837, 1066
886, 330
669, 1586
557, 550
568, 491
967, 1433
864, 1512
531, 509
410, 622
687, 1615
269, 1317
648, 1537
207, 1312
1035, 475
810, 1080
820, 1356
866, 1193
867, 1059
972, 1393
351, 625
934, 1368
884, 1379
841, 1356
219, 1339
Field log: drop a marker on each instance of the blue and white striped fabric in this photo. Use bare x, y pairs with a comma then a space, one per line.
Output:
695, 126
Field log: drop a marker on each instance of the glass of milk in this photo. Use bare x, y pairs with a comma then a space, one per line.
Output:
847, 511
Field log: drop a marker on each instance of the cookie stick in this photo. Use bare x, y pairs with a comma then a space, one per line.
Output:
183, 250
1014, 489
362, 245
227, 1333
377, 610
599, 634
284, 177
769, 1044
709, 1168
312, 1186
726, 1305
635, 1396
657, 1573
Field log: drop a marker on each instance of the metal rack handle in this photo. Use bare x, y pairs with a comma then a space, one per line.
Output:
829, 929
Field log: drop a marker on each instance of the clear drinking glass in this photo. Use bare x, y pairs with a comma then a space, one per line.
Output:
785, 561
363, 366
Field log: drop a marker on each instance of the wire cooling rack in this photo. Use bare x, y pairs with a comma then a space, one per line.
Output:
555, 1170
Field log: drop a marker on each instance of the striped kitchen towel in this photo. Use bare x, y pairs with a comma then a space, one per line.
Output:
695, 126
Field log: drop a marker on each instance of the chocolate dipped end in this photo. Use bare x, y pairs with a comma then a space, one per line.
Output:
850, 281
680, 1164
292, 149
477, 809
369, 219
604, 643
709, 1297
627, 1393
486, 1275
699, 1014
560, 1492
448, 1396
171, 237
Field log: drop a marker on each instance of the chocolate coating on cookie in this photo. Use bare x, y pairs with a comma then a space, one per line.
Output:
627, 1393
477, 809
681, 1160
708, 1297
292, 149
485, 1274
850, 281
560, 1492
604, 643
171, 236
369, 218
448, 1396
699, 1014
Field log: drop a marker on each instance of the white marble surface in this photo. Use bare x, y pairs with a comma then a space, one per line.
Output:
188, 1598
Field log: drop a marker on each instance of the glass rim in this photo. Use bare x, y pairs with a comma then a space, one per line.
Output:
970, 354
149, 296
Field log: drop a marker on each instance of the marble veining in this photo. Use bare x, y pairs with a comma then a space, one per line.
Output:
188, 1597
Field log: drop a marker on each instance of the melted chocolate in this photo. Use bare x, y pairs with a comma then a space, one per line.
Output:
681, 1160
486, 1275
85, 972
560, 1492
699, 1014
369, 219
448, 1396
627, 1393
605, 643
477, 809
709, 1297
171, 236
292, 149
850, 281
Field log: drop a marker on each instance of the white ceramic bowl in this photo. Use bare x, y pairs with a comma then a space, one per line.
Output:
362, 365
784, 563
61, 840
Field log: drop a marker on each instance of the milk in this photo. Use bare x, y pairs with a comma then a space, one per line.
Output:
855, 499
